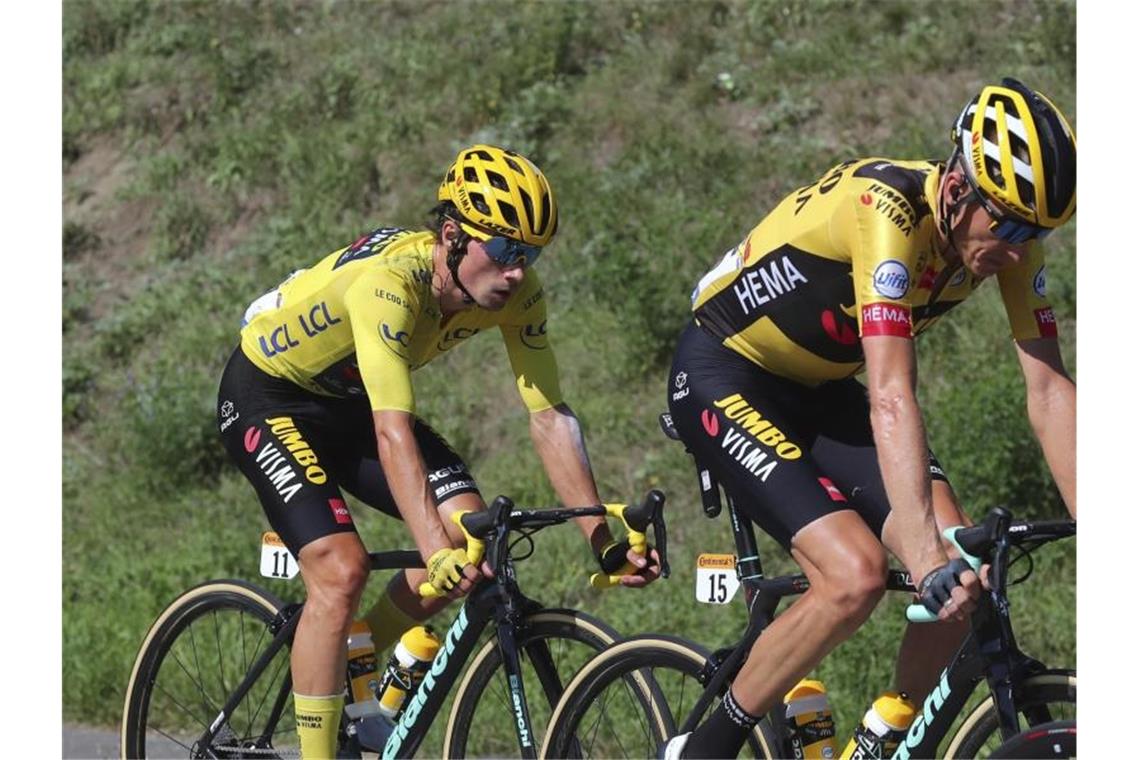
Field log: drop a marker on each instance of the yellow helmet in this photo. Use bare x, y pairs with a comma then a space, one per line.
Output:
1020, 152
503, 192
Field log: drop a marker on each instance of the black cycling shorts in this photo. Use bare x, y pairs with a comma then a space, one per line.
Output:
298, 449
786, 453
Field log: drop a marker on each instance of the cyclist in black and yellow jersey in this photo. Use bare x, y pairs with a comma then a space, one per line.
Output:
318, 398
838, 279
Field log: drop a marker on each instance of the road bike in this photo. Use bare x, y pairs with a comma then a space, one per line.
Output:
630, 698
212, 677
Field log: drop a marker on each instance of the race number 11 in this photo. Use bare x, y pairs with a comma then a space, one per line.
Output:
716, 578
276, 561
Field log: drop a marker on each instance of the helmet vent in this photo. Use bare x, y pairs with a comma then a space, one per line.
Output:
470, 174
508, 212
545, 213
498, 181
528, 207
480, 203
480, 154
514, 166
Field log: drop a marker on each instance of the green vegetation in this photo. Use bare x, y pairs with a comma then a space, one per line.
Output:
210, 148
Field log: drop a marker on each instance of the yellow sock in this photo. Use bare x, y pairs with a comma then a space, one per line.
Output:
388, 622
318, 719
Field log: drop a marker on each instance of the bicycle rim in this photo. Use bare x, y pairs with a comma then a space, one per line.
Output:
197, 652
554, 644
629, 700
1044, 698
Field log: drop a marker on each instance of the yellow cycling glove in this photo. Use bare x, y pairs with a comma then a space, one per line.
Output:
445, 568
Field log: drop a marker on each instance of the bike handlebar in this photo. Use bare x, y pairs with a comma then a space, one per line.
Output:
501, 518
977, 543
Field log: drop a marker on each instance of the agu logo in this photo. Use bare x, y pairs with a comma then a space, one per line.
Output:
891, 279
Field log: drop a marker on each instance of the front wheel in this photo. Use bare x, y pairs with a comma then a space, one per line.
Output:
198, 650
630, 699
553, 645
1042, 698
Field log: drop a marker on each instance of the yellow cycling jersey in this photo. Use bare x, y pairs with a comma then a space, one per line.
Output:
850, 255
362, 318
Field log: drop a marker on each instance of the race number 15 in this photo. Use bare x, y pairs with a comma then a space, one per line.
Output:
716, 578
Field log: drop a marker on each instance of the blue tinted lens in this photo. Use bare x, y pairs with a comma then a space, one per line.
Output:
507, 252
1012, 231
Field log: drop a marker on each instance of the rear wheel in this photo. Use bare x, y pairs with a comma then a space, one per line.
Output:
553, 645
630, 699
1042, 699
1056, 739
193, 657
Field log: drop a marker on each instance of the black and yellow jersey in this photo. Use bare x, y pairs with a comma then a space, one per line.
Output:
365, 316
850, 255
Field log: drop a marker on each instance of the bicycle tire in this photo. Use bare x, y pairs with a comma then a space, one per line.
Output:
482, 699
171, 697
1044, 698
650, 676
1055, 739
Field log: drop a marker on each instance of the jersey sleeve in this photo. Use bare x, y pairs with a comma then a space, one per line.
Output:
1023, 292
528, 346
382, 306
882, 261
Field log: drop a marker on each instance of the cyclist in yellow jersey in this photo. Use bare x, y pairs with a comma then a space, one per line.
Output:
837, 279
318, 398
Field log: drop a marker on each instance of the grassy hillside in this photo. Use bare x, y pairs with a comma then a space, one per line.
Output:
211, 148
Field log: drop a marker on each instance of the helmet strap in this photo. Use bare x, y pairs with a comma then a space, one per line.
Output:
945, 213
456, 250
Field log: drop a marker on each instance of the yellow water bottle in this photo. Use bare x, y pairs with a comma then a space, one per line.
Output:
410, 660
809, 722
883, 727
363, 678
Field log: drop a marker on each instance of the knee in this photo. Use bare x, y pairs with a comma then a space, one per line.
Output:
854, 587
335, 581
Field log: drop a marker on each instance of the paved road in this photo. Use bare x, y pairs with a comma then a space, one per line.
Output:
87, 743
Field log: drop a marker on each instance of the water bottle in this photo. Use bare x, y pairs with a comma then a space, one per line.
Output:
366, 720
406, 668
809, 722
883, 727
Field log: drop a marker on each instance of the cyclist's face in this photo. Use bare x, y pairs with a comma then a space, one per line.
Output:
490, 283
983, 253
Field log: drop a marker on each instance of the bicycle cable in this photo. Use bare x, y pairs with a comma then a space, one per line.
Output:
524, 535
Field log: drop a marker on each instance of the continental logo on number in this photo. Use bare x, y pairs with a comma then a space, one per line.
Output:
716, 561
743, 414
287, 433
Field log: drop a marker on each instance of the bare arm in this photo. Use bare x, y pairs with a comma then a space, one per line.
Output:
406, 474
900, 441
1051, 399
560, 445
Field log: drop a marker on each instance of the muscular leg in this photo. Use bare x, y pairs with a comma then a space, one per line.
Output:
927, 647
847, 568
335, 570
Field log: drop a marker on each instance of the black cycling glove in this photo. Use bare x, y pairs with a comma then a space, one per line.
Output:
938, 584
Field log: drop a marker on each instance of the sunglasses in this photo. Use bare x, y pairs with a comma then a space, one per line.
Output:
1005, 227
504, 251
